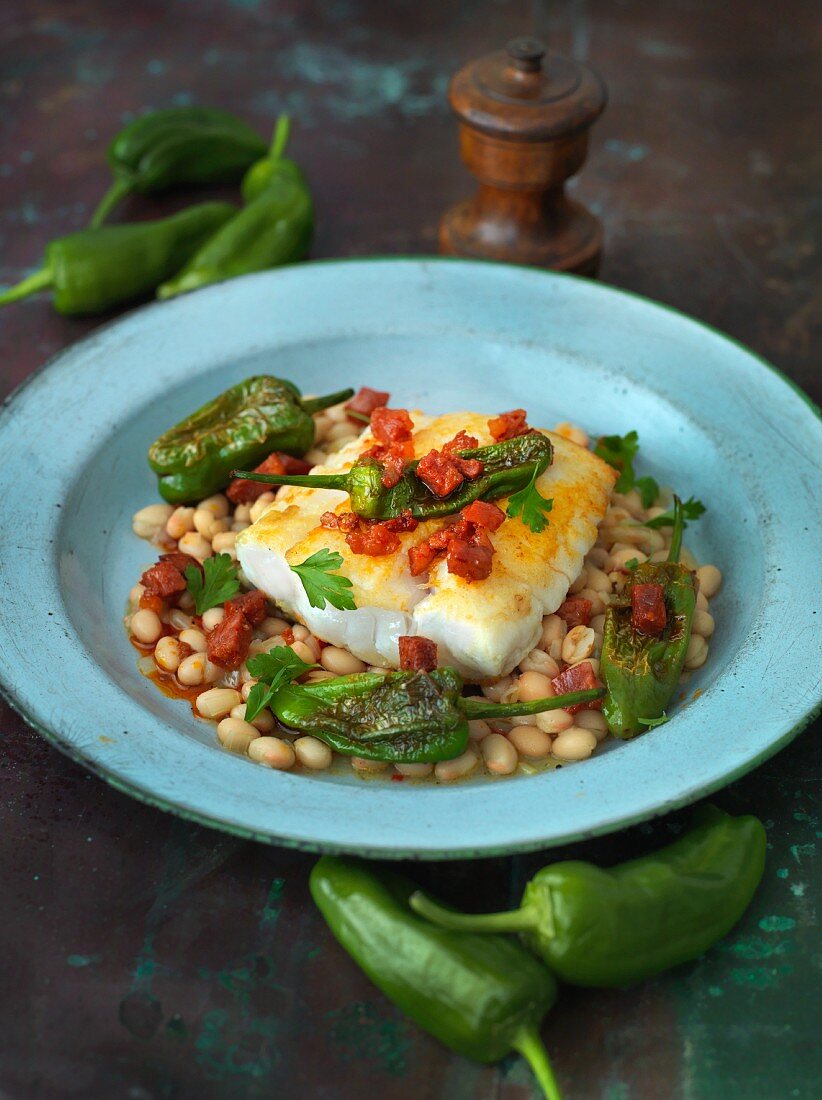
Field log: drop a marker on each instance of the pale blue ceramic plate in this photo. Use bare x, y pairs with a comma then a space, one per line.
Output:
714, 421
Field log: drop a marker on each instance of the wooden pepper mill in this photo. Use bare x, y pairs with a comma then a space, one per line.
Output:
524, 118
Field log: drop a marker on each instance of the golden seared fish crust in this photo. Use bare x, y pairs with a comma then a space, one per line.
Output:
482, 628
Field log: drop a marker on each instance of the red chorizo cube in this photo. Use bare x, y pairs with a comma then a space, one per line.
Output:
250, 604
579, 677
440, 473
575, 611
417, 654
391, 425
365, 402
163, 579
469, 560
484, 515
648, 614
229, 641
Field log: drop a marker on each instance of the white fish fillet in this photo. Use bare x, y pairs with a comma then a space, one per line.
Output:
482, 628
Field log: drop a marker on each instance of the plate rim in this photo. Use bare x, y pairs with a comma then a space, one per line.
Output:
623, 820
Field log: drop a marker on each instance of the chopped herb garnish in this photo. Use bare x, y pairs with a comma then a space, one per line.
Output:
530, 505
691, 509
320, 583
216, 583
620, 451
631, 564
273, 670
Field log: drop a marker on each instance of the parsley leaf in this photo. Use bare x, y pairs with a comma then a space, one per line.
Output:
321, 585
620, 451
217, 583
273, 670
530, 505
691, 509
631, 564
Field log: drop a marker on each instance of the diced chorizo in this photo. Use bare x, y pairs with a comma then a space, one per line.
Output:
579, 677
461, 442
420, 557
440, 473
648, 614
484, 514
509, 425
229, 641
417, 654
575, 611
163, 579
181, 561
243, 491
365, 402
470, 560
391, 425
151, 602
374, 539
250, 604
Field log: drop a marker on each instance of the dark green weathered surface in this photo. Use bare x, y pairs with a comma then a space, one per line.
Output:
147, 958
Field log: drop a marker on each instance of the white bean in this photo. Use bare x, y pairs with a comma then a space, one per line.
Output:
317, 675
554, 629
217, 702
539, 661
236, 735
271, 752
213, 617
500, 687
180, 522
340, 661
597, 580
580, 582
597, 600
710, 580
273, 626
245, 690
531, 741
592, 720
597, 556
697, 652
264, 722
553, 721
218, 506
194, 639
478, 728
499, 754
312, 753
197, 669
534, 685
149, 521
179, 620
703, 624
136, 592
223, 543
185, 601
242, 513
620, 559
701, 602
193, 543
146, 626
415, 771
315, 456
597, 624
574, 744
303, 652
446, 771
578, 644
168, 653
204, 522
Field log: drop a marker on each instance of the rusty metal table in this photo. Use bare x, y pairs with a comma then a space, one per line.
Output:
144, 957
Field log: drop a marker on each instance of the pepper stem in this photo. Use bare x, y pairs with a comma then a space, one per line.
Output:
306, 481
523, 919
676, 537
313, 405
118, 190
40, 280
475, 707
280, 138
532, 1049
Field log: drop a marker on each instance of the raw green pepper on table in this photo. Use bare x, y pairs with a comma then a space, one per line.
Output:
596, 927
641, 671
96, 269
242, 426
508, 467
482, 996
273, 228
404, 716
176, 146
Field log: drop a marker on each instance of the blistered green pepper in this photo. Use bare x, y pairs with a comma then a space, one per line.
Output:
409, 717
597, 927
274, 228
508, 467
242, 426
97, 269
641, 671
481, 996
179, 145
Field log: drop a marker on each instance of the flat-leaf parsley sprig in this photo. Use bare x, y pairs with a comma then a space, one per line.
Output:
530, 505
322, 585
272, 670
620, 451
214, 584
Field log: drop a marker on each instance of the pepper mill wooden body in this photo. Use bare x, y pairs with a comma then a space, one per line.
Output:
524, 118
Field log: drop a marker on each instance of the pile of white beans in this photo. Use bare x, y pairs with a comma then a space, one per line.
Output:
179, 640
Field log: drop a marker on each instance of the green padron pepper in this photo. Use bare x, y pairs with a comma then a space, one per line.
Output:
176, 146
508, 467
596, 927
641, 671
274, 228
481, 996
406, 717
97, 269
242, 426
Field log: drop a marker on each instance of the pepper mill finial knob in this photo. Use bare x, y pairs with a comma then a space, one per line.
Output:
524, 115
